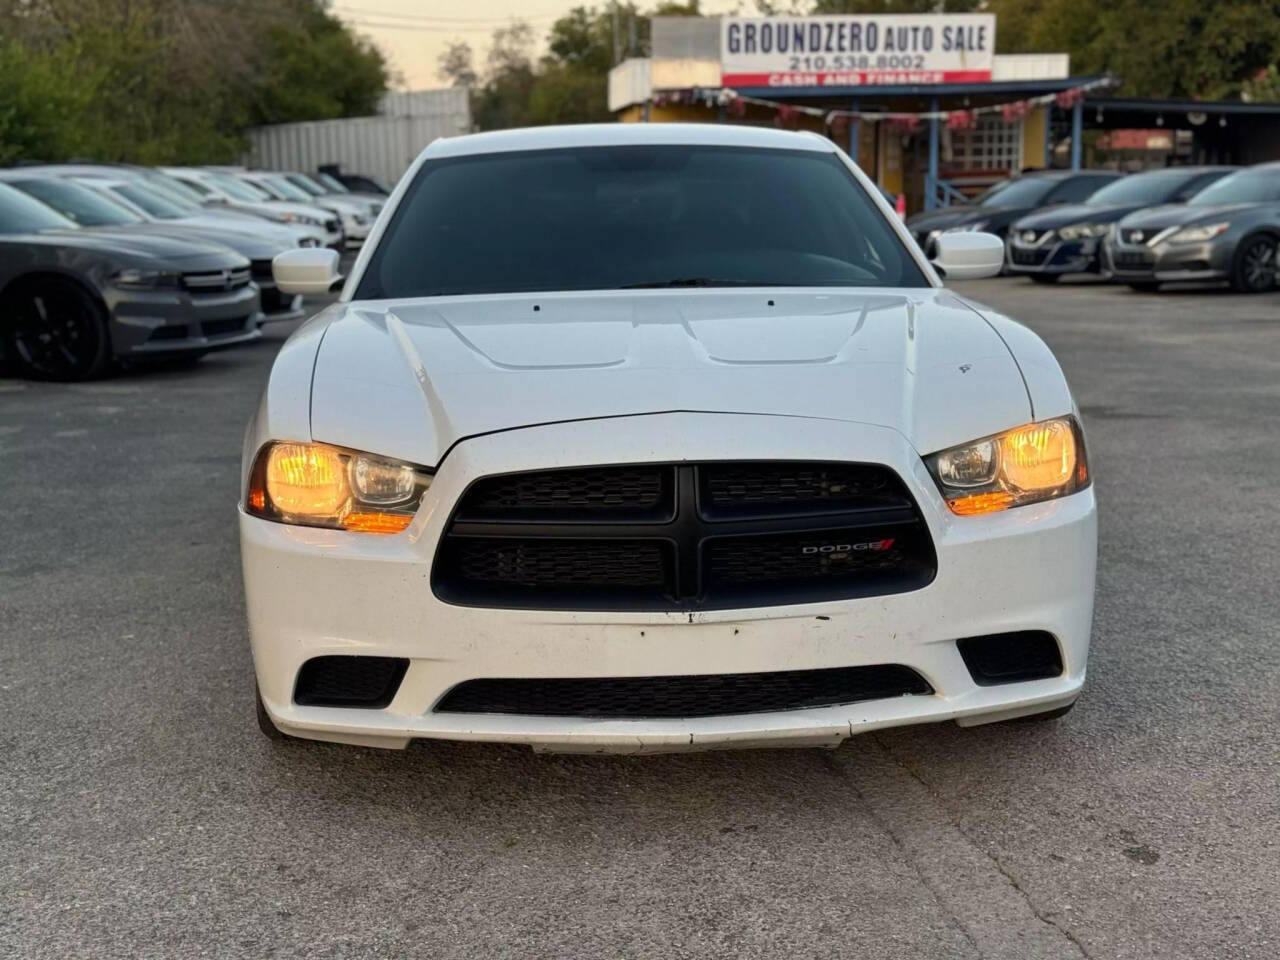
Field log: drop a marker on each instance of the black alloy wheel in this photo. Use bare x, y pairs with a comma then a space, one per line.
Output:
1254, 270
53, 329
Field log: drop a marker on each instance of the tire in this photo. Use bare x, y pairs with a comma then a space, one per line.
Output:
51, 328
269, 729
1253, 268
1045, 278
1144, 286
1053, 714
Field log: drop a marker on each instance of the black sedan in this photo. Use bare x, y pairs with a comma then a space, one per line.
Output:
1228, 231
1068, 239
1009, 200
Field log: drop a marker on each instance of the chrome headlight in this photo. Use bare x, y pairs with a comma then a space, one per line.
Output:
1199, 234
318, 485
1080, 231
1031, 463
135, 279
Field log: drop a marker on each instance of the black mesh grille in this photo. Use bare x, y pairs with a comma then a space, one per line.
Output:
1011, 657
683, 536
1028, 258
689, 696
349, 681
1134, 259
562, 562
610, 490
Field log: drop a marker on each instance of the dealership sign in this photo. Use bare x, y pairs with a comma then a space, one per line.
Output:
846, 51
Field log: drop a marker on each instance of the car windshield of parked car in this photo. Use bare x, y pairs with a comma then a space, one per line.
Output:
287, 190
1142, 189
237, 189
303, 182
178, 192
599, 218
85, 206
1022, 192
333, 183
1247, 186
153, 203
20, 213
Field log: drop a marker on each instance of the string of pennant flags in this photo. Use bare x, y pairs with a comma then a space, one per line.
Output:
789, 115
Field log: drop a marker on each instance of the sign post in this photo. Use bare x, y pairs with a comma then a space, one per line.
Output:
860, 50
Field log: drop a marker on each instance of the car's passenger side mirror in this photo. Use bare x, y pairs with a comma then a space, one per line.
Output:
306, 270
966, 256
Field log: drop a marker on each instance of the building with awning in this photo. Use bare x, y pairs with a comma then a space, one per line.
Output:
921, 101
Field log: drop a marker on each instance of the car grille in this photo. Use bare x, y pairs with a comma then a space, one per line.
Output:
683, 537
1027, 258
349, 681
216, 281
1133, 259
712, 695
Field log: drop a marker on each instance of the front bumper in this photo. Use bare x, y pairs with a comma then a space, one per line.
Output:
1052, 257
1168, 263
313, 592
151, 322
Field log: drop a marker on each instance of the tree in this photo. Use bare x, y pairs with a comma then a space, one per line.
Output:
457, 66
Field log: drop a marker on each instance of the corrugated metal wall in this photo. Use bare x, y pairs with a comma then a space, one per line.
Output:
380, 146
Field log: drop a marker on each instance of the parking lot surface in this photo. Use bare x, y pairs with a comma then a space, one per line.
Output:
143, 814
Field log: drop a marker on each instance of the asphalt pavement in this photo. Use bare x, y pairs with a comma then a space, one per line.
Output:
143, 815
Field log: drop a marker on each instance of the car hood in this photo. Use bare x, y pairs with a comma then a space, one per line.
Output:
1154, 219
243, 243
1056, 217
299, 209
995, 217
128, 242
263, 232
411, 378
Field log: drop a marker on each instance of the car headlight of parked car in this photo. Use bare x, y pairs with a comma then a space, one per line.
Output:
1031, 463
1199, 234
302, 218
318, 485
1081, 231
137, 279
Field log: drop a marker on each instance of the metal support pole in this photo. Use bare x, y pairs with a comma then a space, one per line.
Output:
1077, 127
931, 182
1048, 136
854, 124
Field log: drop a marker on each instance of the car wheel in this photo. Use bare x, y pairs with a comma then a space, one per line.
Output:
1254, 268
54, 329
1043, 277
1144, 286
1053, 714
269, 729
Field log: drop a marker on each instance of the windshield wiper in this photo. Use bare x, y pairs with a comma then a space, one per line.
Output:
701, 282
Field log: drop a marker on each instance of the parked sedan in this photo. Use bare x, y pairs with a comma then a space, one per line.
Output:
356, 216
1068, 238
75, 300
1009, 200
321, 191
216, 187
598, 451
119, 204
1228, 231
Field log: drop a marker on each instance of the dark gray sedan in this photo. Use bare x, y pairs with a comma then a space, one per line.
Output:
73, 301
1228, 231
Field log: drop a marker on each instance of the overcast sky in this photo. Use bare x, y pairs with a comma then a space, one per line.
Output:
413, 33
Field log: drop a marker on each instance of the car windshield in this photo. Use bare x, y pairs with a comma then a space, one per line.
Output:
1142, 189
287, 190
20, 213
85, 206
176, 191
155, 204
333, 183
238, 189
1247, 186
303, 182
601, 218
1021, 192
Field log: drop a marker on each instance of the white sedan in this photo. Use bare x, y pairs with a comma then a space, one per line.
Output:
655, 437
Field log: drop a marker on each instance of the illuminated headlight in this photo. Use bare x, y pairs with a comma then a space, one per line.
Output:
145, 279
1080, 231
1035, 462
318, 485
1199, 234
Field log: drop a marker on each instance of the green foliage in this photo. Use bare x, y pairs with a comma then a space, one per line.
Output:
1263, 87
171, 81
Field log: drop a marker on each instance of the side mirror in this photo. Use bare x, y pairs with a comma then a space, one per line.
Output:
968, 256
306, 270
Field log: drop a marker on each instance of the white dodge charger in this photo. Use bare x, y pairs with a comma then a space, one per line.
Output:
654, 437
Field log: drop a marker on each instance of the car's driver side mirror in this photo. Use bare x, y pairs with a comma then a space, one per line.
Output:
306, 270
967, 256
